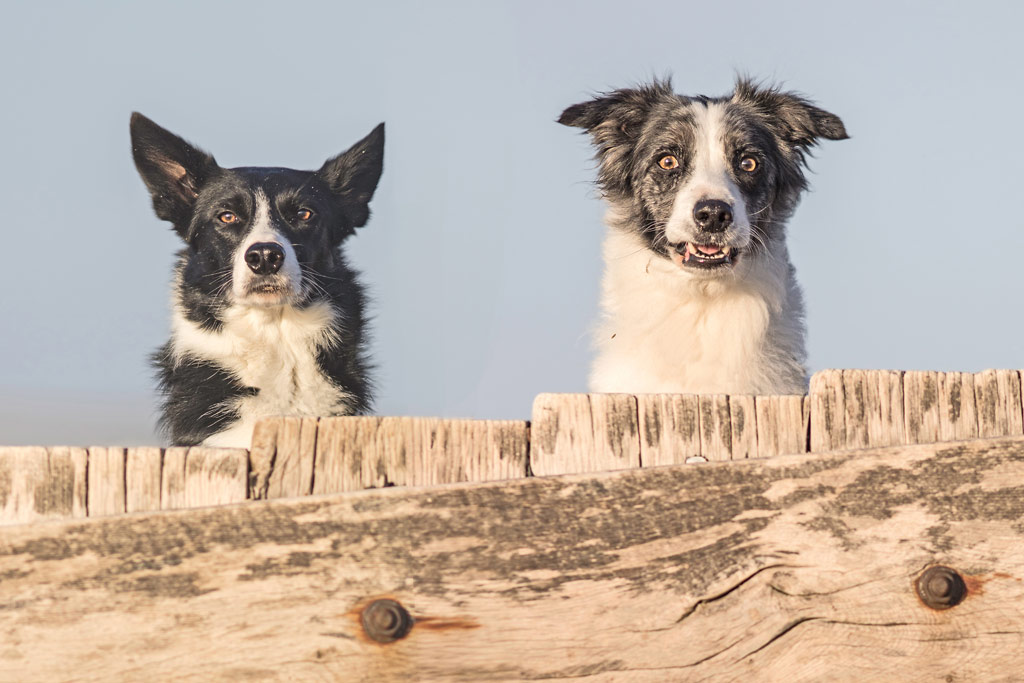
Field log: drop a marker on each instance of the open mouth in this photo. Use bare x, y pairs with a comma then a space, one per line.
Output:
693, 255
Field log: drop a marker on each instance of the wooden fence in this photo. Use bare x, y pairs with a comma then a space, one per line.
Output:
797, 559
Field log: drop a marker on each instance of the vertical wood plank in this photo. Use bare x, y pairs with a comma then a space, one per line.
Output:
143, 467
827, 411
349, 457
958, 417
781, 428
888, 426
282, 457
921, 400
449, 451
715, 427
859, 401
998, 401
584, 433
216, 476
39, 484
669, 428
172, 479
106, 481
743, 423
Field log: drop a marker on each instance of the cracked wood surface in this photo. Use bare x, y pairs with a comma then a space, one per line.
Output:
796, 568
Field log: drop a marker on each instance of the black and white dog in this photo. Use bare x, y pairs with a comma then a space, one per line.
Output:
267, 317
699, 295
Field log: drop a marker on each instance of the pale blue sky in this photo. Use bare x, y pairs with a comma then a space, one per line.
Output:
483, 251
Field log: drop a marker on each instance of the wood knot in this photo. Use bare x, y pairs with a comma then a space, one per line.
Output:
941, 587
386, 621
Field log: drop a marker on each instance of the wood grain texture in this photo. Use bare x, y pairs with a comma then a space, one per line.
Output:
715, 427
958, 417
106, 476
282, 457
921, 399
584, 433
354, 453
798, 568
38, 484
215, 476
998, 400
143, 472
743, 427
669, 428
827, 411
781, 428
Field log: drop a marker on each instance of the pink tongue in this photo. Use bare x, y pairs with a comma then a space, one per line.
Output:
708, 249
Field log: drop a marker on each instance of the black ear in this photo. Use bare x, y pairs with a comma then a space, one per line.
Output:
353, 175
801, 123
173, 170
616, 114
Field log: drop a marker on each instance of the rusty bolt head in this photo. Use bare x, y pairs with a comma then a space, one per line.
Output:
941, 587
386, 620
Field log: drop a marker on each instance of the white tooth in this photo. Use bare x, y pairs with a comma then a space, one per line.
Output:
690, 248
726, 250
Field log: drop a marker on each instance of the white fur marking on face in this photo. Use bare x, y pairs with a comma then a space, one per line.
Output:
263, 231
710, 179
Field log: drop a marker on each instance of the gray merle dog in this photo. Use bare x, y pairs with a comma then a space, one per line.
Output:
699, 295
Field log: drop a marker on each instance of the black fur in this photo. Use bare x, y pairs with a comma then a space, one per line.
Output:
191, 191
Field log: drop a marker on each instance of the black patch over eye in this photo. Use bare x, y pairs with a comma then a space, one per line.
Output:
304, 214
227, 217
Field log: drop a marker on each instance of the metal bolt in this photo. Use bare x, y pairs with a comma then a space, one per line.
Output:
386, 621
941, 587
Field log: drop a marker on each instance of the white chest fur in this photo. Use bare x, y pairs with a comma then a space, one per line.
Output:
273, 350
665, 333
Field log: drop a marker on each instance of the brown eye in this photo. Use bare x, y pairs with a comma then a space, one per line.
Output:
748, 164
304, 214
227, 217
668, 162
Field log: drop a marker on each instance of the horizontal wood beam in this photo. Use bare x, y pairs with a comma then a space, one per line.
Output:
794, 568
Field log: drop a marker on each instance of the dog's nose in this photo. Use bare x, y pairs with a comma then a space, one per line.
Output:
264, 258
712, 215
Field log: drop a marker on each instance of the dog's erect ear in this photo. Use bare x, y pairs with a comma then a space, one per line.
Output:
618, 115
353, 175
173, 170
801, 123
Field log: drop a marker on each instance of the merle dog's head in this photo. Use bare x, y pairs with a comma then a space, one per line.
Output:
256, 236
707, 182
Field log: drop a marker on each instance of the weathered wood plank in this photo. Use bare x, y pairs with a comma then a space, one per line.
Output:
827, 411
172, 479
796, 568
362, 452
958, 418
715, 427
997, 395
888, 426
780, 425
216, 476
743, 426
669, 428
143, 471
921, 401
39, 484
584, 433
282, 457
106, 481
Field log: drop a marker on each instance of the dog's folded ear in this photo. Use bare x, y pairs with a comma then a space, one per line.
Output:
802, 123
617, 116
173, 170
353, 175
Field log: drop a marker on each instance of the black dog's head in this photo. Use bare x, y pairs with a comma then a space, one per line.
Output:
703, 180
256, 236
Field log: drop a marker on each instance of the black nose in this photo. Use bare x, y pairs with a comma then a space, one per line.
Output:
712, 215
264, 258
